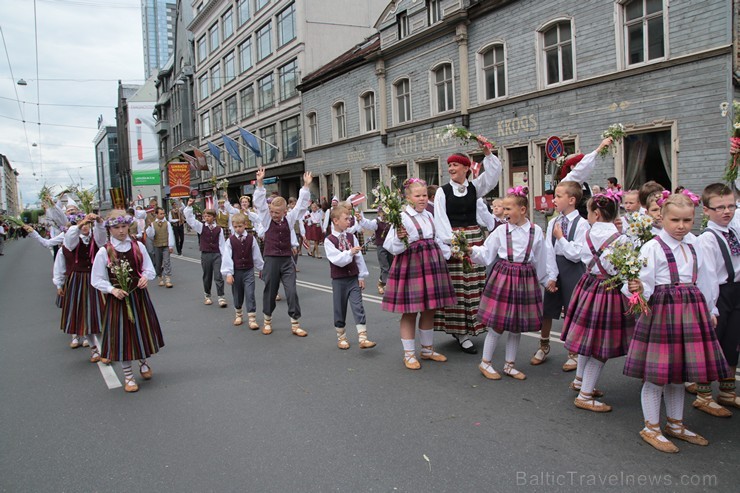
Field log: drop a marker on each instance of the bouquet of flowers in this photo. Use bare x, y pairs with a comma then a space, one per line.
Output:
223, 185
465, 136
122, 270
731, 168
86, 198
389, 200
616, 132
460, 250
639, 228
46, 195
12, 220
625, 258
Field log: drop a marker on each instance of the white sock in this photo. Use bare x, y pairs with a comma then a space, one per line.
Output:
426, 338
409, 345
674, 394
650, 397
591, 375
489, 346
144, 365
512, 346
582, 360
127, 371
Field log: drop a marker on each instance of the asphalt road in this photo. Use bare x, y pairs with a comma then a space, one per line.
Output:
230, 409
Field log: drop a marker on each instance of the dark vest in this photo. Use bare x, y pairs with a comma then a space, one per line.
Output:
241, 251
461, 210
277, 239
349, 270
134, 260
81, 258
381, 232
209, 239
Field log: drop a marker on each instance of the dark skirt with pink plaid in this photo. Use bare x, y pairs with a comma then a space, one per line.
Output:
418, 280
314, 233
595, 322
512, 300
676, 342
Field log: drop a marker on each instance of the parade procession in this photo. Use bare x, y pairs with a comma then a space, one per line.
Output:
528, 210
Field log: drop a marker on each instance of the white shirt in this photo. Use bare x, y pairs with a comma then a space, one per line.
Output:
2, 229
54, 241
263, 211
227, 256
250, 214
57, 215
170, 235
426, 223
583, 169
599, 233
198, 226
59, 273
484, 183
483, 215
316, 217
715, 262
99, 277
495, 245
72, 237
571, 250
341, 258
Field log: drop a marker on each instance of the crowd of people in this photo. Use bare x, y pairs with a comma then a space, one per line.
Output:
448, 264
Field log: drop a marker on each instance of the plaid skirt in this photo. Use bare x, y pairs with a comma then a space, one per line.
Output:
418, 280
595, 322
313, 232
512, 300
124, 339
82, 306
676, 342
462, 317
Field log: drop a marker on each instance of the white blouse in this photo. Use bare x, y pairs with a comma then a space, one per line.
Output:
263, 212
571, 250
426, 223
715, 262
72, 237
99, 277
599, 233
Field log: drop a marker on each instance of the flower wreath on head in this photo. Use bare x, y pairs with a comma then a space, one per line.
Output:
75, 218
115, 221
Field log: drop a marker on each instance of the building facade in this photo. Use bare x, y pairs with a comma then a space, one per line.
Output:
250, 55
10, 201
519, 72
157, 25
106, 163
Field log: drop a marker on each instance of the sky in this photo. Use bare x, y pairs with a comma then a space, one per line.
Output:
84, 48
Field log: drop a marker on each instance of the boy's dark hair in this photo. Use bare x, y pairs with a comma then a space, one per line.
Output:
714, 190
647, 189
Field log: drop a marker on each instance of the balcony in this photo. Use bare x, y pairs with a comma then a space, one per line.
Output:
162, 127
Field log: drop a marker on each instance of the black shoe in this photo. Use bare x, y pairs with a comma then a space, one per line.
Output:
470, 349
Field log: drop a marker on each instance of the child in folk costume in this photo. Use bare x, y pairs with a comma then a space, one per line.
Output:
596, 325
280, 241
348, 273
82, 305
676, 342
326, 224
419, 281
176, 219
497, 207
245, 209
211, 240
131, 330
385, 258
314, 233
456, 210
720, 243
565, 243
240, 256
223, 218
300, 232
512, 300
163, 243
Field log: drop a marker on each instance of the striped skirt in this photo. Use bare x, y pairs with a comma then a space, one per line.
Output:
512, 300
461, 318
418, 280
595, 322
82, 306
676, 342
127, 340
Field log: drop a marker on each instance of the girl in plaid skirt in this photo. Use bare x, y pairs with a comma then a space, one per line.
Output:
512, 299
596, 326
675, 343
419, 281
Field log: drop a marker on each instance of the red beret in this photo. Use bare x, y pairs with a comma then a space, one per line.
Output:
569, 164
460, 159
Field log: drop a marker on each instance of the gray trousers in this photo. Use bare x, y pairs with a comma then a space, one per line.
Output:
279, 269
243, 289
162, 261
210, 262
385, 259
347, 289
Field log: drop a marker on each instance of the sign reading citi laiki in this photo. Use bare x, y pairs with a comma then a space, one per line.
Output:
143, 150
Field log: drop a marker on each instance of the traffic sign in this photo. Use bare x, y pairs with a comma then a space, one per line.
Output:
554, 148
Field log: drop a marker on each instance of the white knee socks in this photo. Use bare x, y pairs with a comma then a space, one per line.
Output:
590, 375
582, 360
512, 345
409, 345
650, 398
426, 338
489, 346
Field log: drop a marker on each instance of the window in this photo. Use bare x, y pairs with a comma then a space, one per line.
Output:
340, 125
266, 93
286, 25
243, 11
229, 69
558, 53
249, 160
648, 156
202, 49
345, 185
429, 172
287, 76
215, 78
205, 124
261, 3
245, 55
329, 182
247, 101
372, 179
264, 41
269, 153
203, 87
231, 112
494, 72
213, 35
368, 111
227, 23
402, 20
643, 30
218, 120
403, 101
400, 172
233, 163
434, 11
290, 130
313, 129
443, 92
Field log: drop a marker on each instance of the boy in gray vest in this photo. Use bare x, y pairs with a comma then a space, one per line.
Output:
163, 242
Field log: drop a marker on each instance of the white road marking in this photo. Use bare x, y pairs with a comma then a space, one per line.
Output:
109, 375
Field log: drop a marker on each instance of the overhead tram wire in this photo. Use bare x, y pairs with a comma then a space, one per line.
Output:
65, 105
38, 86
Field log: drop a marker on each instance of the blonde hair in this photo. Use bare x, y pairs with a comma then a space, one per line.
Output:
278, 202
676, 200
239, 218
337, 211
116, 213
